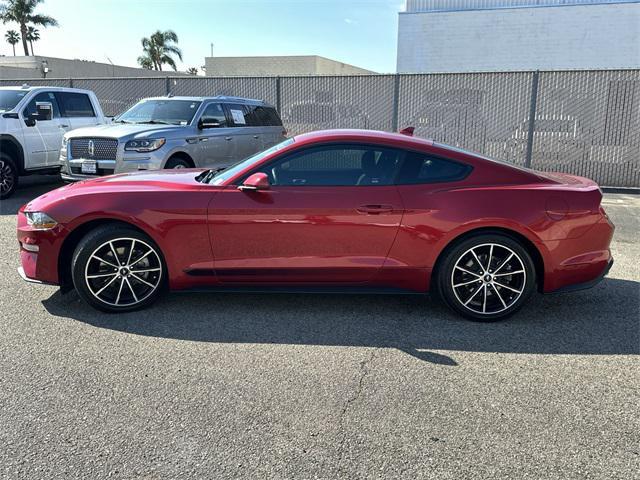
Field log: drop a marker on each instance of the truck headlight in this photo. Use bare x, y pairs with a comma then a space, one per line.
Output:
40, 221
64, 142
144, 145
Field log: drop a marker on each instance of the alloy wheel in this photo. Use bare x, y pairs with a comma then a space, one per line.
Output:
123, 272
7, 177
488, 279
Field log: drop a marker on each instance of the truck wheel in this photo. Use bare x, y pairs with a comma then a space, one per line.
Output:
8, 176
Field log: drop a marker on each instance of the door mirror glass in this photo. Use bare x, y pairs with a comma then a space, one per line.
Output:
44, 111
257, 181
209, 123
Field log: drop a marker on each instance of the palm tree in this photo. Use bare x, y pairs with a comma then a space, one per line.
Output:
145, 62
22, 13
33, 35
192, 71
159, 49
12, 38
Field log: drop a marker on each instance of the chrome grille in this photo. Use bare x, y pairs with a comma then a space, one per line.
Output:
94, 148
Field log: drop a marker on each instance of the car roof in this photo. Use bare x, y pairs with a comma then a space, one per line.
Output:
29, 88
224, 98
375, 136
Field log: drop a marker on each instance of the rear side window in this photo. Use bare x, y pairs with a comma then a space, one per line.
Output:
420, 168
260, 116
237, 114
75, 104
30, 109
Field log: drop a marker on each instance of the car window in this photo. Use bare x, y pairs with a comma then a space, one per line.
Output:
214, 112
159, 111
75, 104
10, 98
237, 115
336, 165
259, 116
30, 109
421, 168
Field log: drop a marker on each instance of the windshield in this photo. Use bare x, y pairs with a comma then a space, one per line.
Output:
169, 112
10, 98
224, 175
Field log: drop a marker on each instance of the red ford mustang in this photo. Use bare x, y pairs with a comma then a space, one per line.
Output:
341, 210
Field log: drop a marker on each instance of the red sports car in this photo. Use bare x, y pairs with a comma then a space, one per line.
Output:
341, 210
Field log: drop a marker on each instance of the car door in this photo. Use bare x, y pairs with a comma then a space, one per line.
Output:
76, 109
43, 139
213, 149
331, 215
242, 136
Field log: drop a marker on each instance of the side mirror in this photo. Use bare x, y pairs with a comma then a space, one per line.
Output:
255, 182
44, 111
208, 123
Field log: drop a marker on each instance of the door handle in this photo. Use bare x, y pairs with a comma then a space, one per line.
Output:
228, 138
203, 139
64, 126
256, 137
375, 209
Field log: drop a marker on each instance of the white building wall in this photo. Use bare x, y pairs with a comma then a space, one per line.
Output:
605, 36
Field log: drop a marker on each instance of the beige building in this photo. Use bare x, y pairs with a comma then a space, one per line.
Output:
280, 65
33, 67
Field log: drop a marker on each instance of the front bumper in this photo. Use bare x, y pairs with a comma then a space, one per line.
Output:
39, 264
125, 162
31, 280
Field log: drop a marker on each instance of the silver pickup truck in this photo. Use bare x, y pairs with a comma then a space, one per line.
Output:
172, 132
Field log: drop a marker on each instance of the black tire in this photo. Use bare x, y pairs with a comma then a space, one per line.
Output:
9, 176
95, 255
177, 162
482, 292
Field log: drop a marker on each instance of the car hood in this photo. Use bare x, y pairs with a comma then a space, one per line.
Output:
120, 130
155, 180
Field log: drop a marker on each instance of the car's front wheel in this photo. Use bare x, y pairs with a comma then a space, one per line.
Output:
8, 176
118, 269
486, 277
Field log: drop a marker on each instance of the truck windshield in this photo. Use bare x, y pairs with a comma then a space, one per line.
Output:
10, 98
170, 112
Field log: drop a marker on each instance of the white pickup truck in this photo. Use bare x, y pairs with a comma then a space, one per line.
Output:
33, 121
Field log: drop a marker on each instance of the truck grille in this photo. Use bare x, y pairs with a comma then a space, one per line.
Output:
94, 148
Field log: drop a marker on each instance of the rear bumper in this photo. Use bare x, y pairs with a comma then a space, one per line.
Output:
585, 285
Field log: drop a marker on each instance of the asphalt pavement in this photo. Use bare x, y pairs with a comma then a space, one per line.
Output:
320, 386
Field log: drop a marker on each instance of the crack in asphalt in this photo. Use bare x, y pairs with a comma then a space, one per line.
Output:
364, 371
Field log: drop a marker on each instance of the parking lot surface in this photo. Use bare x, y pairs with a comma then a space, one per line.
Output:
320, 386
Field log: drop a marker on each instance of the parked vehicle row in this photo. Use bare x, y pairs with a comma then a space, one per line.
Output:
51, 130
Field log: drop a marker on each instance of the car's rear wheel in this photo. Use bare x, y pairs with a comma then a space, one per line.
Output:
118, 269
8, 176
487, 277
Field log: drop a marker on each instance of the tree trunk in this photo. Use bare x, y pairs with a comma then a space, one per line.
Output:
23, 35
14, 49
31, 43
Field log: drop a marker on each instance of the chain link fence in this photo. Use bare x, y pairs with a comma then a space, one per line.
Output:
581, 122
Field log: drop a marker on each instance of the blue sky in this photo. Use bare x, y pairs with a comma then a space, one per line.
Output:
361, 32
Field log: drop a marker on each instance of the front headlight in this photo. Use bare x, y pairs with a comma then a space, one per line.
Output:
40, 220
144, 145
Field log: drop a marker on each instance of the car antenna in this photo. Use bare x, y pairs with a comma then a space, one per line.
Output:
407, 131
